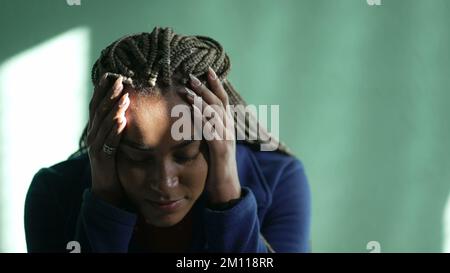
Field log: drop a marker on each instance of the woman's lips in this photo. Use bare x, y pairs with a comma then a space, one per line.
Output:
167, 205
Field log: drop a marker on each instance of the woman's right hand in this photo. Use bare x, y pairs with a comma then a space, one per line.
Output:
106, 124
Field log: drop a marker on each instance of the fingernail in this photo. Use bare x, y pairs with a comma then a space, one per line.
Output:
124, 100
189, 92
121, 119
212, 74
120, 125
195, 82
117, 88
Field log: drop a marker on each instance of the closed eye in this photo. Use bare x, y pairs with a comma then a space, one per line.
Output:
135, 156
183, 159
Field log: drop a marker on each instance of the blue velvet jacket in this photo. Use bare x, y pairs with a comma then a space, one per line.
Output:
272, 215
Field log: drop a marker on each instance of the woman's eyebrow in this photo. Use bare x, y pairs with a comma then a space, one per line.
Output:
134, 145
143, 147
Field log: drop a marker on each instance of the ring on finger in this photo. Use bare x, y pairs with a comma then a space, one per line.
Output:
108, 149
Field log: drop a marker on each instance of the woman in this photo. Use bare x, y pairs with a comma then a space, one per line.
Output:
133, 186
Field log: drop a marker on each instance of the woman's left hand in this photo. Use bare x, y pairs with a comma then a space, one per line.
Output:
222, 184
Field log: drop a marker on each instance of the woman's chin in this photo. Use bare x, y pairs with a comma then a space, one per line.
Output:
159, 219
163, 221
162, 218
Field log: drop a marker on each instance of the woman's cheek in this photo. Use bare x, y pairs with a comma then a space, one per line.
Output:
195, 175
121, 168
130, 175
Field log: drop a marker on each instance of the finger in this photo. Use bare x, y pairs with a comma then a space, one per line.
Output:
123, 104
117, 114
201, 90
115, 134
116, 127
198, 121
223, 114
99, 93
106, 105
217, 86
213, 127
200, 102
192, 98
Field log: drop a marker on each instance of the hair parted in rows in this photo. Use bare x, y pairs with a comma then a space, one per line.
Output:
155, 61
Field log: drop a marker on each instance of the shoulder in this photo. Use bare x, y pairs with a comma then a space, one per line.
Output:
269, 173
68, 170
62, 180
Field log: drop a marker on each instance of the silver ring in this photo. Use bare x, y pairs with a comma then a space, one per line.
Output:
108, 149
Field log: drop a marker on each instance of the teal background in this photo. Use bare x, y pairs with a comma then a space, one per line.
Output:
363, 94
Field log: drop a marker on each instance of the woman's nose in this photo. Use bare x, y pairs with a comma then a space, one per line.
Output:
166, 178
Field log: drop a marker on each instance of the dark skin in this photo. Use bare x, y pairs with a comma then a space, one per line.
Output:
162, 177
150, 161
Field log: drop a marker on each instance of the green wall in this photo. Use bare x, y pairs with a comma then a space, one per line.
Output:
363, 94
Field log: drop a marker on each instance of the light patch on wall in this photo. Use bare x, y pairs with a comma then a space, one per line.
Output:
446, 247
42, 111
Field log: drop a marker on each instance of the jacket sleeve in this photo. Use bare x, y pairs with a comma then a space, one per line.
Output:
44, 221
102, 227
235, 230
286, 224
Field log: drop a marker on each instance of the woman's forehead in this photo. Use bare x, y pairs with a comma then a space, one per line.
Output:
157, 103
149, 117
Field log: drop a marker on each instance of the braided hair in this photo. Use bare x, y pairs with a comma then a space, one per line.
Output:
162, 59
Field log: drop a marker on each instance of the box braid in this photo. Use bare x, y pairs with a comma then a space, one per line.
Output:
162, 59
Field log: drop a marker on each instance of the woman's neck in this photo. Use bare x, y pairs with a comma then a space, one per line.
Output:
177, 238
